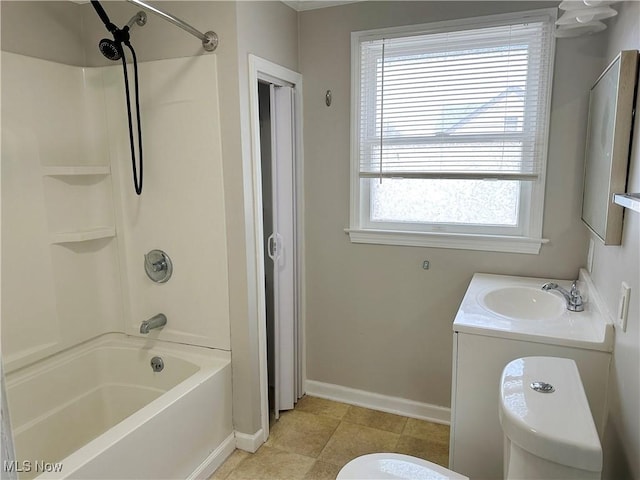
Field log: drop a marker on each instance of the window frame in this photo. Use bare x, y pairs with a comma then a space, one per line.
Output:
526, 238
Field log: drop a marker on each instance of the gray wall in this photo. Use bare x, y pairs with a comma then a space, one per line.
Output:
375, 320
613, 265
46, 30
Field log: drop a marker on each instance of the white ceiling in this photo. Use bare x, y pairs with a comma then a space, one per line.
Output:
299, 5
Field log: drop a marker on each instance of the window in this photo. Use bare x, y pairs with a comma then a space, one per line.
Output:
449, 133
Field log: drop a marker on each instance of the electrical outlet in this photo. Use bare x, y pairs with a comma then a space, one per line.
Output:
623, 307
590, 255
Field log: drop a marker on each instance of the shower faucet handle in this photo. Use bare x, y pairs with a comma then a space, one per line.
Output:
158, 266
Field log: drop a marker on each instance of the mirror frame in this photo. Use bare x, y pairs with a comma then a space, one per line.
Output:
617, 131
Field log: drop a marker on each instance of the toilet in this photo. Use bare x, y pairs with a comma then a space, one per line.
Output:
548, 430
378, 466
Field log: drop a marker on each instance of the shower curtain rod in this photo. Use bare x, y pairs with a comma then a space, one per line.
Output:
209, 39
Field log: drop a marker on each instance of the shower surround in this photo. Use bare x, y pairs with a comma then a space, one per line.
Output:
74, 232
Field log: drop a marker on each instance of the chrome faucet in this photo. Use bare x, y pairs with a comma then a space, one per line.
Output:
157, 321
573, 297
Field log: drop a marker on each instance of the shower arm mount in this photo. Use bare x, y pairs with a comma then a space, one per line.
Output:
209, 39
139, 19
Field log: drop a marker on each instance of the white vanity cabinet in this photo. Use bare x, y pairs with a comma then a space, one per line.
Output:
483, 343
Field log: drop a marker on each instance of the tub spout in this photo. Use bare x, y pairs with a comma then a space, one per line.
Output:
157, 321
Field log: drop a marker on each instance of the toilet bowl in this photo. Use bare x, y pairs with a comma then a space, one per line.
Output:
379, 466
548, 428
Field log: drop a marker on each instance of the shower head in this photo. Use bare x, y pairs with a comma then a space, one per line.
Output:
110, 49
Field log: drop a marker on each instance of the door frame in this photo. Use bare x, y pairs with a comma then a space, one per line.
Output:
261, 69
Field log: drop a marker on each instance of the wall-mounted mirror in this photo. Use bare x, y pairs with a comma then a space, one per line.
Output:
611, 104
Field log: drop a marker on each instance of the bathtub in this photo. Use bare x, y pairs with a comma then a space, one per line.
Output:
99, 410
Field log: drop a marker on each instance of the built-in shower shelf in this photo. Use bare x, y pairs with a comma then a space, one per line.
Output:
83, 235
68, 171
628, 200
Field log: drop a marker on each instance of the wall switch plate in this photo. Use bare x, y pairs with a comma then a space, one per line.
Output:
623, 307
590, 255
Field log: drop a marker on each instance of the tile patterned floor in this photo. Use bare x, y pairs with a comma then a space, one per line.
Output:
319, 436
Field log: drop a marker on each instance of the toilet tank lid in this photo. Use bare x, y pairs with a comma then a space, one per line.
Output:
557, 426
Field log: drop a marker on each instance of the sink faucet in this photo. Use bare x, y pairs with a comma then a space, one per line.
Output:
157, 321
574, 299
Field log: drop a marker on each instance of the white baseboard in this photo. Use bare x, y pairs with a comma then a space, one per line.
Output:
214, 460
376, 401
249, 442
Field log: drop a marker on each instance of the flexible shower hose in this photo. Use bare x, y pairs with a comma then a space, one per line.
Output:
137, 179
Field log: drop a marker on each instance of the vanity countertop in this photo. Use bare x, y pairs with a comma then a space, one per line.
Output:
591, 329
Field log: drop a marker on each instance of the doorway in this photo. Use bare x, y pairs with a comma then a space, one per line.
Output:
277, 179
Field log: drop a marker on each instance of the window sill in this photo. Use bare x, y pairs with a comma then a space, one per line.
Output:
487, 243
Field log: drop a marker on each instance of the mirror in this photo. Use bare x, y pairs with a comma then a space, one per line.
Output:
611, 102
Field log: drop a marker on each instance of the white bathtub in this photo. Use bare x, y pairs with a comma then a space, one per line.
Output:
100, 411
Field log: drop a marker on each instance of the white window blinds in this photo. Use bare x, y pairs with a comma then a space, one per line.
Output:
467, 103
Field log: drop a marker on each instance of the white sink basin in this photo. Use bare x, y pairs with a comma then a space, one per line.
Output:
524, 303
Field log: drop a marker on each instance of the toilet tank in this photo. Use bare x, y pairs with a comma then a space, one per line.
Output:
548, 427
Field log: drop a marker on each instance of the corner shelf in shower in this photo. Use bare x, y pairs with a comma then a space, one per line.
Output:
79, 170
628, 200
83, 235
73, 191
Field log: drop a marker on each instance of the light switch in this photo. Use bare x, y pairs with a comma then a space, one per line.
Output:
623, 307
